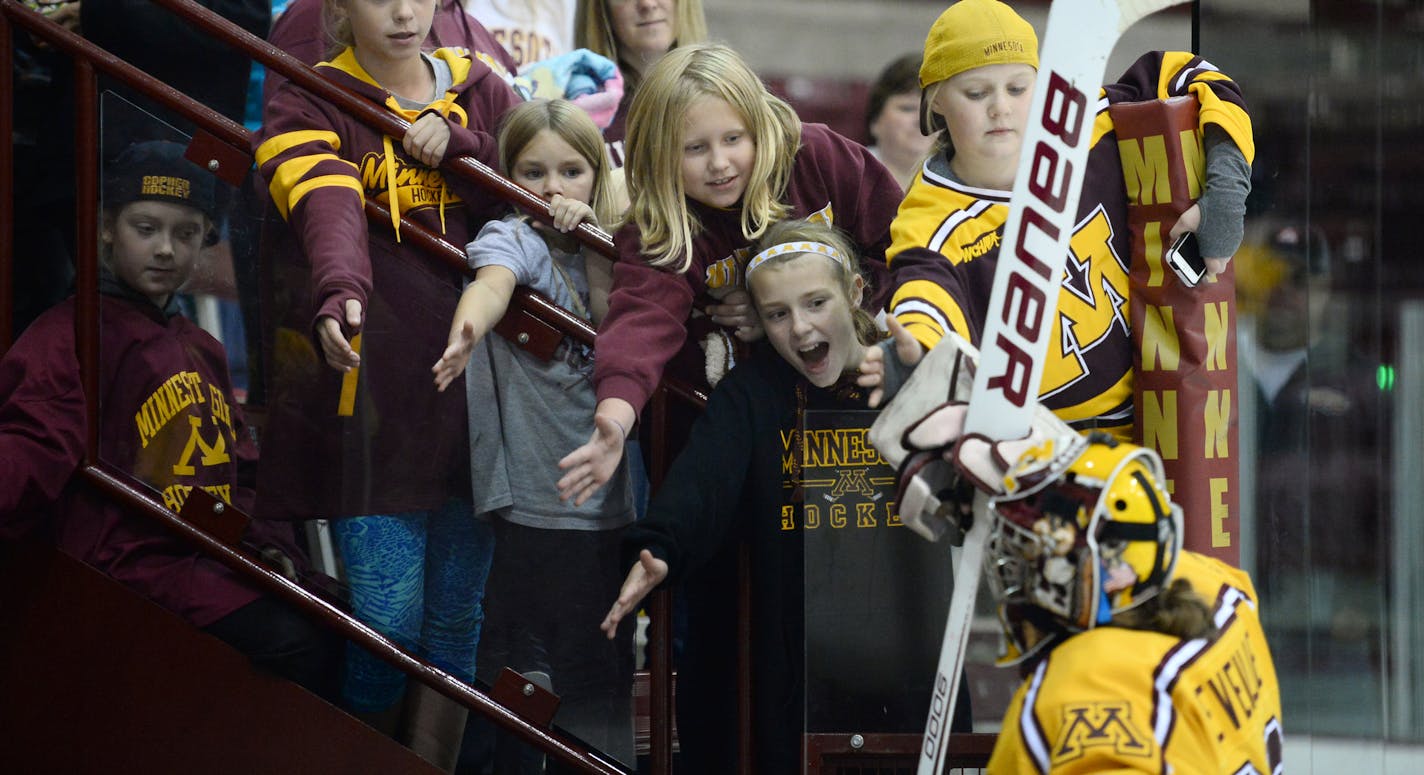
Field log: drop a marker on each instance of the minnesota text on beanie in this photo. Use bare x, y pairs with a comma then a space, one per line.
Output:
156, 170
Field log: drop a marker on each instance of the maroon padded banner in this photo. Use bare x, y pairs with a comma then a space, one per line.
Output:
1184, 337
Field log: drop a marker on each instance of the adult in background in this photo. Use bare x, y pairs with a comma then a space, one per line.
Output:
636, 34
1319, 407
892, 120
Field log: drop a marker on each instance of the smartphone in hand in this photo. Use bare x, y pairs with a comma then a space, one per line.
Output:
1186, 260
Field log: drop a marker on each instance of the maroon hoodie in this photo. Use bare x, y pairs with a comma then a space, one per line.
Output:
378, 440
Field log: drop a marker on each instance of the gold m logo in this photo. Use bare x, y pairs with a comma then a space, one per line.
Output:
1099, 724
213, 455
851, 480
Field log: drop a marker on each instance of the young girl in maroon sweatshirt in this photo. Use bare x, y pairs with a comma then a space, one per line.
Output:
713, 160
354, 433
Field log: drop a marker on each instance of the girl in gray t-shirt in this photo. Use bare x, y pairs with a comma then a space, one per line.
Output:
555, 564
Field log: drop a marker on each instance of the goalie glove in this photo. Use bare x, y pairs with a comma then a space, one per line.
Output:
918, 427
936, 482
985, 462
921, 433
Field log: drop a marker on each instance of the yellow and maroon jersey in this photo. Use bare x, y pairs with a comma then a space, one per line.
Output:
1119, 700
946, 240
329, 430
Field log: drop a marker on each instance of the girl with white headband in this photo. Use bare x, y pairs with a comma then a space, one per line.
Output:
713, 160
732, 482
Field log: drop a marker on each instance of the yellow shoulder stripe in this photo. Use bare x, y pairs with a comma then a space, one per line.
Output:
923, 328
1227, 115
928, 294
292, 174
278, 144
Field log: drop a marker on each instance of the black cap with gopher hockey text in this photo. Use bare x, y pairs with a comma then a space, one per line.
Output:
157, 171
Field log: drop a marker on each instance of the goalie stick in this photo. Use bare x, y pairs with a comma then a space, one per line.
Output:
1042, 213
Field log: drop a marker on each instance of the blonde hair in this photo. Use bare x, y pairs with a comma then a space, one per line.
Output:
1177, 611
593, 30
654, 148
783, 232
336, 27
522, 123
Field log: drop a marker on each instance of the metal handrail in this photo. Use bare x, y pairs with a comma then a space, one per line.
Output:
120, 486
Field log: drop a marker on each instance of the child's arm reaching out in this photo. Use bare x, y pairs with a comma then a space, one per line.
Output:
481, 306
642, 579
588, 467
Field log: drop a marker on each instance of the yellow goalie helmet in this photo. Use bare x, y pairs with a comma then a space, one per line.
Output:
1073, 545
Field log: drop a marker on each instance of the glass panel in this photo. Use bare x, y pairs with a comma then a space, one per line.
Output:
1327, 282
547, 592
171, 414
168, 403
441, 505
876, 594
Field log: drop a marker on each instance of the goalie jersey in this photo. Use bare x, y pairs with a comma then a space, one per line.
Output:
1120, 700
946, 238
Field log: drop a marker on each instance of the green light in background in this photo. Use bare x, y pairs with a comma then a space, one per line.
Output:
1384, 377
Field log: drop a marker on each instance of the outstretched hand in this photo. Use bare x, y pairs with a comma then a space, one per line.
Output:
453, 361
589, 467
338, 351
872, 367
642, 579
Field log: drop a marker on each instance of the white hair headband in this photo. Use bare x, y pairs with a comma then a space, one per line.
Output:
819, 248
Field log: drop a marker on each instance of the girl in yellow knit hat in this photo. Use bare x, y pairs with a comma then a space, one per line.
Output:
980, 65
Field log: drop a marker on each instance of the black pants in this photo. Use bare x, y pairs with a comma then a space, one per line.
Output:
278, 638
547, 593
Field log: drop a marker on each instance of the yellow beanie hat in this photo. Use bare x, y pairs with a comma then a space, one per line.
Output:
970, 34
974, 33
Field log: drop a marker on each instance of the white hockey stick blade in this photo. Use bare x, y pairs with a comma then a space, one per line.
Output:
1043, 208
945, 690
1042, 213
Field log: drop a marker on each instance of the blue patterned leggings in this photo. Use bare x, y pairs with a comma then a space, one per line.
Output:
419, 579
